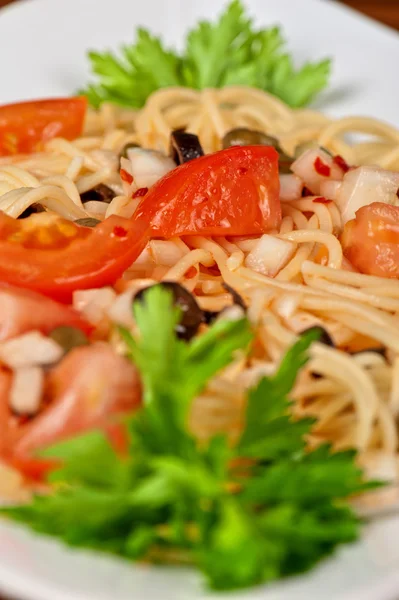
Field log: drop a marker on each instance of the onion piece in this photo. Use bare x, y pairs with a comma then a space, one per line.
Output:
94, 303
26, 390
330, 189
315, 167
165, 252
121, 311
147, 166
291, 187
270, 255
30, 349
365, 185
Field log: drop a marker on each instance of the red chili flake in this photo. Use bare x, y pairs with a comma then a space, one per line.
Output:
140, 192
322, 168
242, 170
125, 176
341, 163
120, 231
192, 272
322, 200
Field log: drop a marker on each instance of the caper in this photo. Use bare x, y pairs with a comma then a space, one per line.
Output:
191, 314
87, 222
68, 337
241, 136
124, 152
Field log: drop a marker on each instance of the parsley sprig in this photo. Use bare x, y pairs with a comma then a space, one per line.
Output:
258, 511
231, 51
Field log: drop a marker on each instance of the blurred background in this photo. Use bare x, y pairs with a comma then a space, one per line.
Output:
386, 11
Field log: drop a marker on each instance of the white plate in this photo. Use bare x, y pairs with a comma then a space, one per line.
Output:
43, 43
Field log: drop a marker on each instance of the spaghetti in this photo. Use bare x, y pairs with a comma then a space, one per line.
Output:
352, 389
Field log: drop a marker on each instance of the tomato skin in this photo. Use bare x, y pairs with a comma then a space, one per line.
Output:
231, 192
26, 126
23, 310
89, 387
371, 240
82, 258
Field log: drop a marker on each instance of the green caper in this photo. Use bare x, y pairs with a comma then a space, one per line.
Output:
241, 136
124, 152
87, 222
68, 337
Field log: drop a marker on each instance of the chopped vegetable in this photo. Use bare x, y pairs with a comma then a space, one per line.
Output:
371, 240
68, 338
23, 310
365, 185
26, 126
29, 349
231, 192
270, 255
87, 222
93, 304
185, 146
191, 316
64, 257
229, 52
85, 390
316, 166
241, 136
26, 390
291, 187
147, 166
263, 509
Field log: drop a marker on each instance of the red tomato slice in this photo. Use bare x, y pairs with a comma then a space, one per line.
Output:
231, 192
371, 240
23, 310
26, 126
90, 386
56, 257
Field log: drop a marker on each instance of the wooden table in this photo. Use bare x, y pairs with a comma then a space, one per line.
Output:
386, 11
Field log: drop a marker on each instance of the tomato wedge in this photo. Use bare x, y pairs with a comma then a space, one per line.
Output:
91, 385
24, 310
89, 388
26, 126
56, 257
371, 240
231, 192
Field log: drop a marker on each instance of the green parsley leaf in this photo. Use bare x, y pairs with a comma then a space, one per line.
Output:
230, 51
258, 511
174, 372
